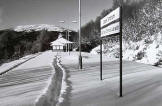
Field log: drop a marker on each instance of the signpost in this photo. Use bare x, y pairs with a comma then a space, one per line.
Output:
112, 25
101, 59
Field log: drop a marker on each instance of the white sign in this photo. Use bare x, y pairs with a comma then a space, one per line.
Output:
111, 29
114, 15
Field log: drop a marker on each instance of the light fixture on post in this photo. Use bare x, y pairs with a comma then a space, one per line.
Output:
61, 22
74, 21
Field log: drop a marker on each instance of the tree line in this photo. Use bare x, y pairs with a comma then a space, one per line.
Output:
14, 45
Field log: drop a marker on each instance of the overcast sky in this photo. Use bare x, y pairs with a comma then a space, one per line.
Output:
27, 12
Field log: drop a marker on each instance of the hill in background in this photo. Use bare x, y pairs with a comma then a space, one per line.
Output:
23, 40
142, 31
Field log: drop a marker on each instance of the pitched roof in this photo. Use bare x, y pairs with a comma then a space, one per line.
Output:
60, 41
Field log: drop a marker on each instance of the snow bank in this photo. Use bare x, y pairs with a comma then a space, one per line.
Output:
53, 94
111, 52
64, 85
49, 95
96, 50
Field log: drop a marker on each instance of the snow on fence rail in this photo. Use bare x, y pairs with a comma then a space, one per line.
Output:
11, 65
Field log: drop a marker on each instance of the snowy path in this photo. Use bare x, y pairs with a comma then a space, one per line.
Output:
142, 84
23, 85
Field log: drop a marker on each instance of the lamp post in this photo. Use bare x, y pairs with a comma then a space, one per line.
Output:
67, 35
74, 22
80, 56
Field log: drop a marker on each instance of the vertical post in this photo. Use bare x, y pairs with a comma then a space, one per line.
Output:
68, 43
80, 57
101, 59
121, 85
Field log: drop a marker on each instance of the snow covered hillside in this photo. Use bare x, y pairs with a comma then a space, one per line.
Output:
148, 50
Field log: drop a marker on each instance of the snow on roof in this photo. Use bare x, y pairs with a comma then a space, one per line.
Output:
60, 41
56, 43
64, 41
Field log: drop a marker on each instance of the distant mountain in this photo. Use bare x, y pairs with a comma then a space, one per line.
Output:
132, 1
39, 27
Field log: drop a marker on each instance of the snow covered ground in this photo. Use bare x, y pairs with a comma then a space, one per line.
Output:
142, 84
23, 85
73, 57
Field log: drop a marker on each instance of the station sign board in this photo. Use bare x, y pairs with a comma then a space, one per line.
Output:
114, 15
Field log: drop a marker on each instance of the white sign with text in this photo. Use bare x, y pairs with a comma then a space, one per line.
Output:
111, 29
114, 15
